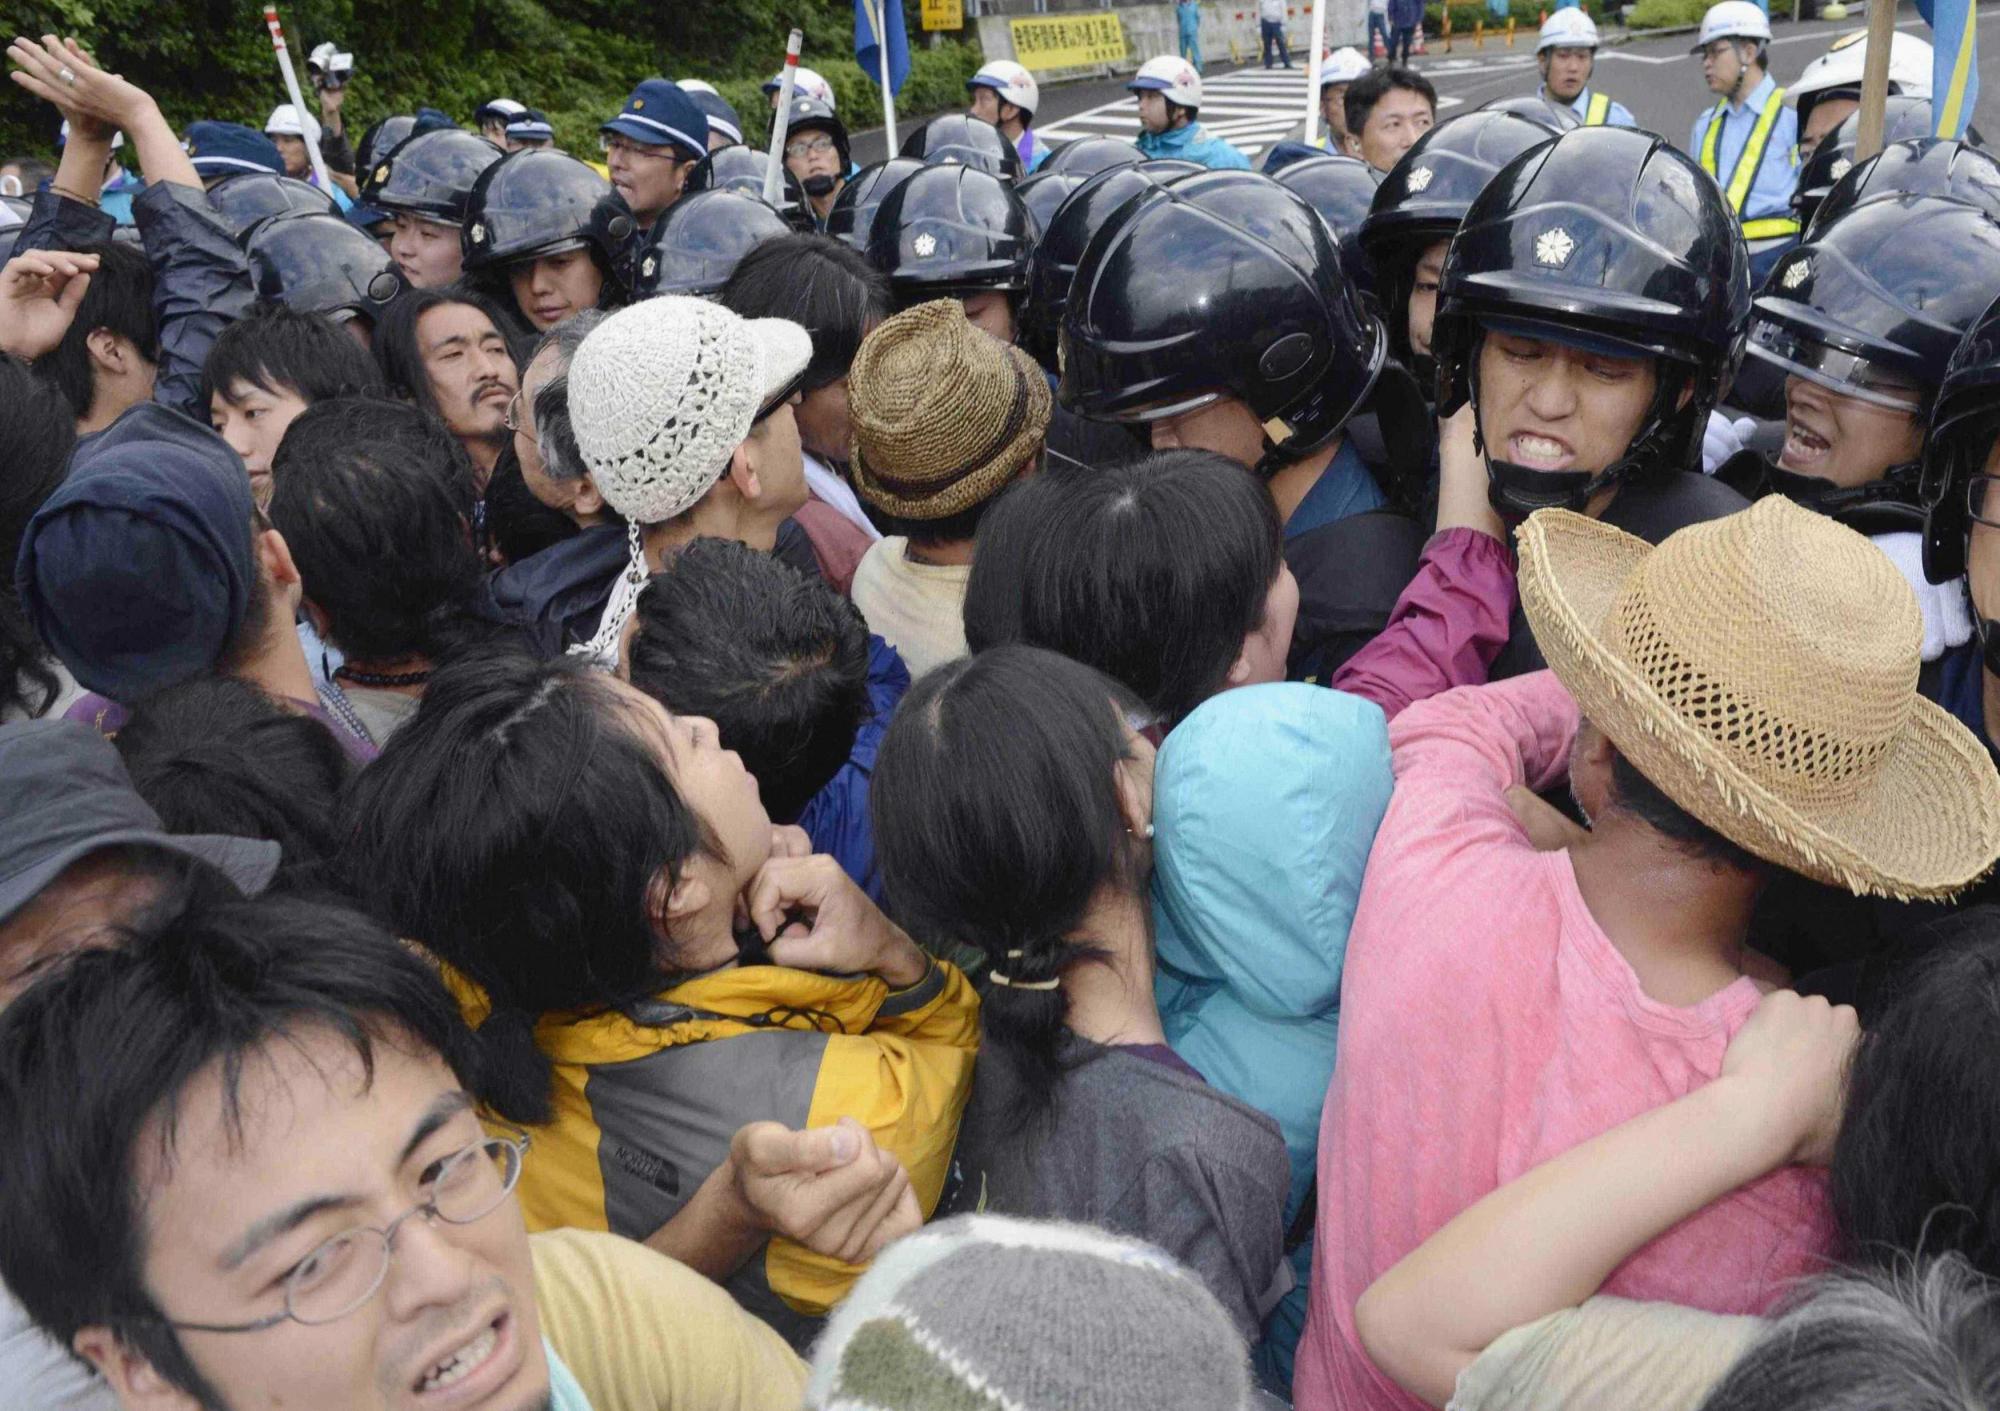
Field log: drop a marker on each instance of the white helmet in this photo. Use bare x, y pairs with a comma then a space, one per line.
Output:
287, 121
695, 85
1172, 76
805, 84
1013, 83
1840, 67
1342, 66
1733, 19
1568, 29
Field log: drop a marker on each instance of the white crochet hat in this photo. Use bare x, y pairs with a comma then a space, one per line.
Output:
661, 394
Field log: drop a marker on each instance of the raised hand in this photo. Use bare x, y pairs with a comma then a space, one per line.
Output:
39, 295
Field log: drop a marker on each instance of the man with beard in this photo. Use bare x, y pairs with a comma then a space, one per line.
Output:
446, 352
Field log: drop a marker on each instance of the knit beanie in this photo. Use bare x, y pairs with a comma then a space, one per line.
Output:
944, 414
660, 394
986, 1313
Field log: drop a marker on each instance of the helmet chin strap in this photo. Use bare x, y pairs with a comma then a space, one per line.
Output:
1879, 507
1508, 482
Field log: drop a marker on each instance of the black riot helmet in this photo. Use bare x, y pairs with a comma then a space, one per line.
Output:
952, 231
321, 265
1611, 235
1903, 118
1066, 234
694, 247
248, 197
1342, 190
852, 219
1043, 192
1920, 166
1561, 117
382, 139
961, 139
814, 115
1087, 156
543, 202
430, 174
741, 169
1872, 308
1424, 197
1221, 284
1965, 423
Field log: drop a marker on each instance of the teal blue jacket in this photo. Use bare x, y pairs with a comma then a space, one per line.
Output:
1192, 144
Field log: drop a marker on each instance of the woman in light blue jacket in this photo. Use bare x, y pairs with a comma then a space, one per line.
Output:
1266, 800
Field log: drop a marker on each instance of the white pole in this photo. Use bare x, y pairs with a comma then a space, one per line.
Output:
306, 119
1312, 71
888, 93
781, 122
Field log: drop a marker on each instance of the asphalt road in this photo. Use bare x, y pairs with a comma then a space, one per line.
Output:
1655, 77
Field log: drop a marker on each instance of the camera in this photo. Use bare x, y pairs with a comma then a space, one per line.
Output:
329, 67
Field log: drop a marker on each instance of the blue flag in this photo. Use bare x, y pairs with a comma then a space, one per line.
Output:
1955, 67
867, 50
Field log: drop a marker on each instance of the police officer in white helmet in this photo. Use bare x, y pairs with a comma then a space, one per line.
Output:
1748, 141
1567, 56
1169, 102
1336, 71
1829, 91
1006, 95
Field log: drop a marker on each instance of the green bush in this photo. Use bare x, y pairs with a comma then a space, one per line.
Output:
574, 59
1666, 14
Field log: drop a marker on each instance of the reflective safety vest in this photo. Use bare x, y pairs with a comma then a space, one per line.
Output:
1737, 189
1597, 110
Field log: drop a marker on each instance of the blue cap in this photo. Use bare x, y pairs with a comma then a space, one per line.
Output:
660, 114
138, 570
430, 120
721, 115
531, 125
226, 148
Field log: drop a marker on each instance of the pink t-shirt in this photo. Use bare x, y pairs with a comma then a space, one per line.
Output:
1488, 1024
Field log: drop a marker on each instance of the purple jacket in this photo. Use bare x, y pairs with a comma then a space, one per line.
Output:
1447, 627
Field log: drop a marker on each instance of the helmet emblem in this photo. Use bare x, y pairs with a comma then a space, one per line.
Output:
381, 173
1841, 167
478, 233
925, 245
1554, 247
1797, 274
637, 104
1420, 178
648, 265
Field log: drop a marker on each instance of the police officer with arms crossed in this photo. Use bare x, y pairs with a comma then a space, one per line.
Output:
1748, 140
1567, 56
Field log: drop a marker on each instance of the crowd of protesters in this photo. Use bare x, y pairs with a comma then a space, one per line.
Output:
1032, 776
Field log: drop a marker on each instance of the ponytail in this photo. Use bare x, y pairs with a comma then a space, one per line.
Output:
514, 1074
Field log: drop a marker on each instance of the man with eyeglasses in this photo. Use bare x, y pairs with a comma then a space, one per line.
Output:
652, 145
816, 152
245, 1169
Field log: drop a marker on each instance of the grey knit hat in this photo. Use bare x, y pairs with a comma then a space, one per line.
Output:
986, 1313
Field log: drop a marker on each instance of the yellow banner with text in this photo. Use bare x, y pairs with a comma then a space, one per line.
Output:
1068, 41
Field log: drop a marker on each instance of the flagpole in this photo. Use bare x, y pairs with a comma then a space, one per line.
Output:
1875, 78
1312, 71
298, 101
888, 93
781, 122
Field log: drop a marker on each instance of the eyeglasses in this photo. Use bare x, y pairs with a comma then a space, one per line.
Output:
344, 1272
809, 146
612, 142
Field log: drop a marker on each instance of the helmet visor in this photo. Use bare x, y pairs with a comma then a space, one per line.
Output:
1165, 411
1848, 374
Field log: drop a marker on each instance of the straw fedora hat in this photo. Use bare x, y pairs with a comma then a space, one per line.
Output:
943, 414
1761, 671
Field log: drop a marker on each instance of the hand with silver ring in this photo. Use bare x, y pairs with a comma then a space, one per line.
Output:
68, 76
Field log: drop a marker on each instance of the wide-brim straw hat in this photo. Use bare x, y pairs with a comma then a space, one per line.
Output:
1761, 671
943, 414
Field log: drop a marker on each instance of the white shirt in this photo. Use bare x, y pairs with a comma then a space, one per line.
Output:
917, 608
830, 486
1271, 11
37, 1372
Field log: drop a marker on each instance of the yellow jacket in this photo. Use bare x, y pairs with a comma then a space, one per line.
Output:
647, 1099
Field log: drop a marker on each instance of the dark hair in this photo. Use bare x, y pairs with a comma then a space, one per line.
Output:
278, 348
120, 299
1924, 1336
516, 825
520, 525
1153, 571
562, 458
400, 355
246, 640
1637, 795
819, 282
217, 755
37, 430
95, 1059
1913, 1169
997, 820
1372, 87
374, 498
777, 659
951, 529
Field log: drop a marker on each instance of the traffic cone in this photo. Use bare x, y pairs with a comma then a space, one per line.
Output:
1418, 48
1376, 48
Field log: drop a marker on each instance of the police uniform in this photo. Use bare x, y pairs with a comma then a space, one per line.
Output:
1751, 150
1595, 108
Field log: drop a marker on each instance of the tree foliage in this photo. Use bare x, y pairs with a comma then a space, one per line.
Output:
574, 59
